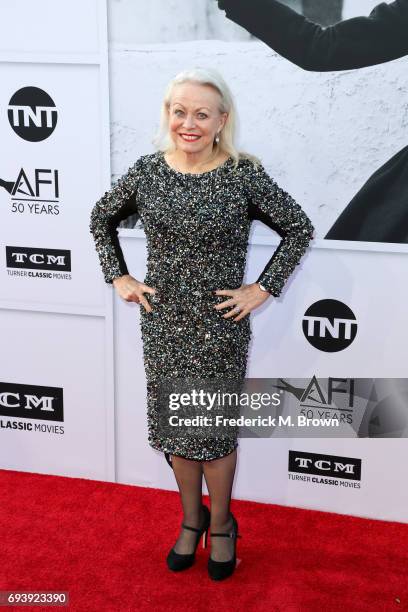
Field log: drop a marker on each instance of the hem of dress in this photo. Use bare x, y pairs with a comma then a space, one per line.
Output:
191, 458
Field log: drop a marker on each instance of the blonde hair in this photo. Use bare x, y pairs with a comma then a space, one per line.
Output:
227, 136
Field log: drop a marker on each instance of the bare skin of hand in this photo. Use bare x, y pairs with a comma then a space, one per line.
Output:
132, 290
247, 298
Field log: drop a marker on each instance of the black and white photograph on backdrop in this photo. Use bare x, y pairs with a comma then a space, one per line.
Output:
330, 152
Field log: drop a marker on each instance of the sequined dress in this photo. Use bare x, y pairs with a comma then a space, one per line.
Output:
197, 228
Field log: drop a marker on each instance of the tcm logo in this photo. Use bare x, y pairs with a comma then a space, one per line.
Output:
38, 259
329, 325
31, 402
324, 465
32, 114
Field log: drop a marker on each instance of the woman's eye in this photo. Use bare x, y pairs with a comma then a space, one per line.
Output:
178, 112
202, 116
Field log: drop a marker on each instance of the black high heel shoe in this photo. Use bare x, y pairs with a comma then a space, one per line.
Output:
218, 570
177, 561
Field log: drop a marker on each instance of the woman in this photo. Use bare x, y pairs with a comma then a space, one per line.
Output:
196, 197
378, 212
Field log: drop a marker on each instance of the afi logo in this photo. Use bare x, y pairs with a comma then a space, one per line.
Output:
313, 395
329, 325
32, 114
23, 186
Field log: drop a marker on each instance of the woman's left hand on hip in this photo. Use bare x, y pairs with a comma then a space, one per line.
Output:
242, 300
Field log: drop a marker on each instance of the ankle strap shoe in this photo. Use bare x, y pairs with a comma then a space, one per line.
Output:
219, 570
177, 561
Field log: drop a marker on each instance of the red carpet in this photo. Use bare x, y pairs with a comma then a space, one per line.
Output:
106, 544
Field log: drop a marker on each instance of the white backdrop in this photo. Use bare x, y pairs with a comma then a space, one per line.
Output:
280, 349
60, 335
56, 315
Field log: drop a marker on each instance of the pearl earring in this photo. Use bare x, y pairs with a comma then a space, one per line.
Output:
217, 138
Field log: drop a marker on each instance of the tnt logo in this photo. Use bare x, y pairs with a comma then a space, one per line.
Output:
329, 325
32, 114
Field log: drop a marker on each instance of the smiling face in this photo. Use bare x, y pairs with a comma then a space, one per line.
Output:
195, 117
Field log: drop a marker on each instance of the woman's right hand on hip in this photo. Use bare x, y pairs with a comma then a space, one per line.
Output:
132, 290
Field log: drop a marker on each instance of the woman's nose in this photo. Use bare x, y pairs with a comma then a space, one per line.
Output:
189, 121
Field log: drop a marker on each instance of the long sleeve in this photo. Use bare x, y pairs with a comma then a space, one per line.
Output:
352, 43
114, 206
277, 209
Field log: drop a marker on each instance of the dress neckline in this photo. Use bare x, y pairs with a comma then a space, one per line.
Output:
193, 174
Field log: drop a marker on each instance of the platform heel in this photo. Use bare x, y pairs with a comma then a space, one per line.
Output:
219, 570
178, 562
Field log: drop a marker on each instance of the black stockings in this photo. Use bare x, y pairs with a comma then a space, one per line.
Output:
219, 477
189, 477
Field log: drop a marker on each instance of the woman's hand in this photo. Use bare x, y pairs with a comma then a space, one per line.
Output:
246, 298
132, 290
